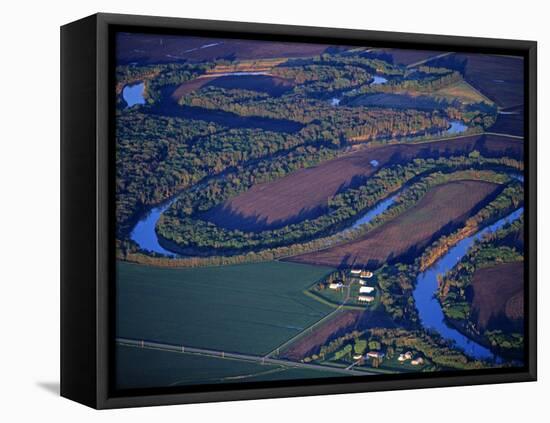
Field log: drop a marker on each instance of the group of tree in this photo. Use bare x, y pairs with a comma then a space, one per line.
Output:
510, 199
182, 223
502, 246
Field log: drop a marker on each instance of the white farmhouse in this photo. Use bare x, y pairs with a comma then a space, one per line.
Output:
366, 289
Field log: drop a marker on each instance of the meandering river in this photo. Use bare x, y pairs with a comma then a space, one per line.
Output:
145, 236
429, 307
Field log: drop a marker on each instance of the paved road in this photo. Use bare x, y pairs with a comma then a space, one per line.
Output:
137, 343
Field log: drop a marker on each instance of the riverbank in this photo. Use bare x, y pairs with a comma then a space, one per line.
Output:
507, 354
427, 284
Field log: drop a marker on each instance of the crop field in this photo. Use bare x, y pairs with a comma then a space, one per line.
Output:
510, 147
144, 368
511, 124
152, 48
443, 207
188, 87
461, 91
498, 295
407, 57
250, 308
306, 191
340, 323
396, 101
500, 78
272, 85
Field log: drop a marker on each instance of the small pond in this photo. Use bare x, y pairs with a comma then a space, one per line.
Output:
133, 94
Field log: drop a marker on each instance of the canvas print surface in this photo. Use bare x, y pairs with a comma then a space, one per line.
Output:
291, 211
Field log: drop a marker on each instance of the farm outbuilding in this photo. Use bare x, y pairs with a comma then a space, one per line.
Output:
375, 354
365, 298
366, 289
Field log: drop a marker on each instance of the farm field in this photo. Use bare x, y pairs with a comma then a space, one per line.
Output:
443, 207
145, 368
250, 308
397, 101
500, 78
307, 191
407, 57
461, 91
498, 295
272, 85
148, 48
342, 322
511, 124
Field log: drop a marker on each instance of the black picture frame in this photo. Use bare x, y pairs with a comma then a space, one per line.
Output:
87, 210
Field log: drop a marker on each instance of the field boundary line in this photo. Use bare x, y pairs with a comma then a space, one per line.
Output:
429, 59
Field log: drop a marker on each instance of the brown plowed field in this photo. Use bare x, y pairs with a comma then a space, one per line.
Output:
272, 85
441, 209
152, 48
304, 194
511, 124
500, 78
407, 57
342, 322
498, 295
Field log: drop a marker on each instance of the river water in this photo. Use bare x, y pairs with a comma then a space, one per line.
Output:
145, 236
144, 233
429, 308
133, 94
457, 127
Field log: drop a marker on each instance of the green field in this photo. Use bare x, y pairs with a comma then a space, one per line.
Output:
248, 308
146, 368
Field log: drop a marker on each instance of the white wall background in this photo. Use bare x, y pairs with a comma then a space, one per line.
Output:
29, 212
